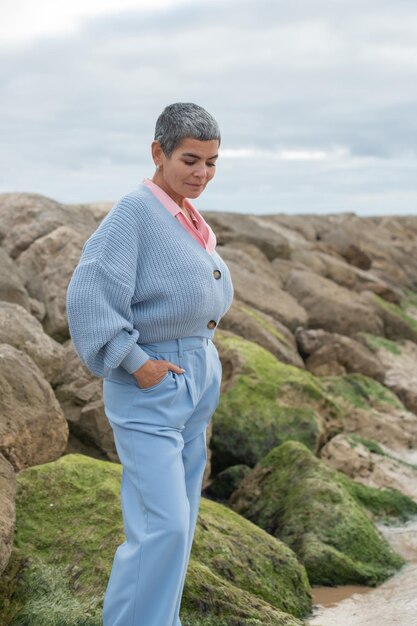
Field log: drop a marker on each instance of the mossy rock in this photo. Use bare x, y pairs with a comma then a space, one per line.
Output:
361, 391
397, 323
225, 483
265, 403
296, 497
376, 342
69, 524
386, 505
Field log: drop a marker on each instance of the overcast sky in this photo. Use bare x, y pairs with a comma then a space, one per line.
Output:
316, 100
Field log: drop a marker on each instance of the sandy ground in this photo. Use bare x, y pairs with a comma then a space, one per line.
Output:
394, 603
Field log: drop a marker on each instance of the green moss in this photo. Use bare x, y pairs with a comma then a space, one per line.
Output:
409, 300
397, 311
387, 505
371, 445
269, 402
265, 324
248, 557
306, 504
361, 391
69, 524
227, 481
375, 343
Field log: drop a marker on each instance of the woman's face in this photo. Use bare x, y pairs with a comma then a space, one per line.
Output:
187, 171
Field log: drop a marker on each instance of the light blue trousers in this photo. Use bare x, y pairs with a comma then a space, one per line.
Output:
160, 437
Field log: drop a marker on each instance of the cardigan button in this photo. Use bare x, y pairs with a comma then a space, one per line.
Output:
211, 324
217, 274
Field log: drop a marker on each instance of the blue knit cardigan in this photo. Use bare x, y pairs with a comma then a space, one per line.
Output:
142, 278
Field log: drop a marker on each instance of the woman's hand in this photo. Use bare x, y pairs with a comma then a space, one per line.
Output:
153, 371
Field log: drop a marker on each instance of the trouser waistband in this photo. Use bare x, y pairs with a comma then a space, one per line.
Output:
176, 345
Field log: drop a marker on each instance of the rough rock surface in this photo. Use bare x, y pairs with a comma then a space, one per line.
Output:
33, 428
331, 307
296, 497
253, 277
265, 402
12, 288
23, 331
47, 266
333, 354
7, 510
370, 464
58, 576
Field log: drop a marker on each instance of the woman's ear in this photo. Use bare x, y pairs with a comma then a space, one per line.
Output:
157, 152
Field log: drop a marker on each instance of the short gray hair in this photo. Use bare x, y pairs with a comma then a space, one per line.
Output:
181, 120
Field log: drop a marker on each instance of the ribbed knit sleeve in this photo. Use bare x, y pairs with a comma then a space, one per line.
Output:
99, 295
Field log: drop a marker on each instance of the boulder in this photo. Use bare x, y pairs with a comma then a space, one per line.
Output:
226, 482
374, 412
370, 464
12, 287
257, 285
397, 324
33, 428
48, 265
297, 498
25, 217
328, 354
238, 574
23, 331
269, 236
7, 510
342, 272
265, 402
80, 394
261, 328
331, 307
398, 359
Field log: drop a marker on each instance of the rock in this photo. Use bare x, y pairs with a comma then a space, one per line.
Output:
333, 354
265, 402
331, 307
368, 463
397, 324
263, 329
25, 217
48, 266
344, 274
297, 498
81, 397
207, 470
33, 428
372, 411
7, 510
272, 238
23, 331
257, 285
37, 309
227, 481
12, 287
398, 359
56, 575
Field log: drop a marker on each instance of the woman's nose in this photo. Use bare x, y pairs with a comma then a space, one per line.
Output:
201, 172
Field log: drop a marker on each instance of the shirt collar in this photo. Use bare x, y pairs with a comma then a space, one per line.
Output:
162, 196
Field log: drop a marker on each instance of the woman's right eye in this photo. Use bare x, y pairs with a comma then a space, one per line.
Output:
189, 162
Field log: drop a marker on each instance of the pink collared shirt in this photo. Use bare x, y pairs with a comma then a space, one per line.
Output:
201, 231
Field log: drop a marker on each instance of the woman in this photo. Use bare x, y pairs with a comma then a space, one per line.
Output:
143, 305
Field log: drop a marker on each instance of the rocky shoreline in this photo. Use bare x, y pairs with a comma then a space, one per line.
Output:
312, 449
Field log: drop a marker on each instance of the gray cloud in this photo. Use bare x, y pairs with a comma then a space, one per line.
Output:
77, 113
